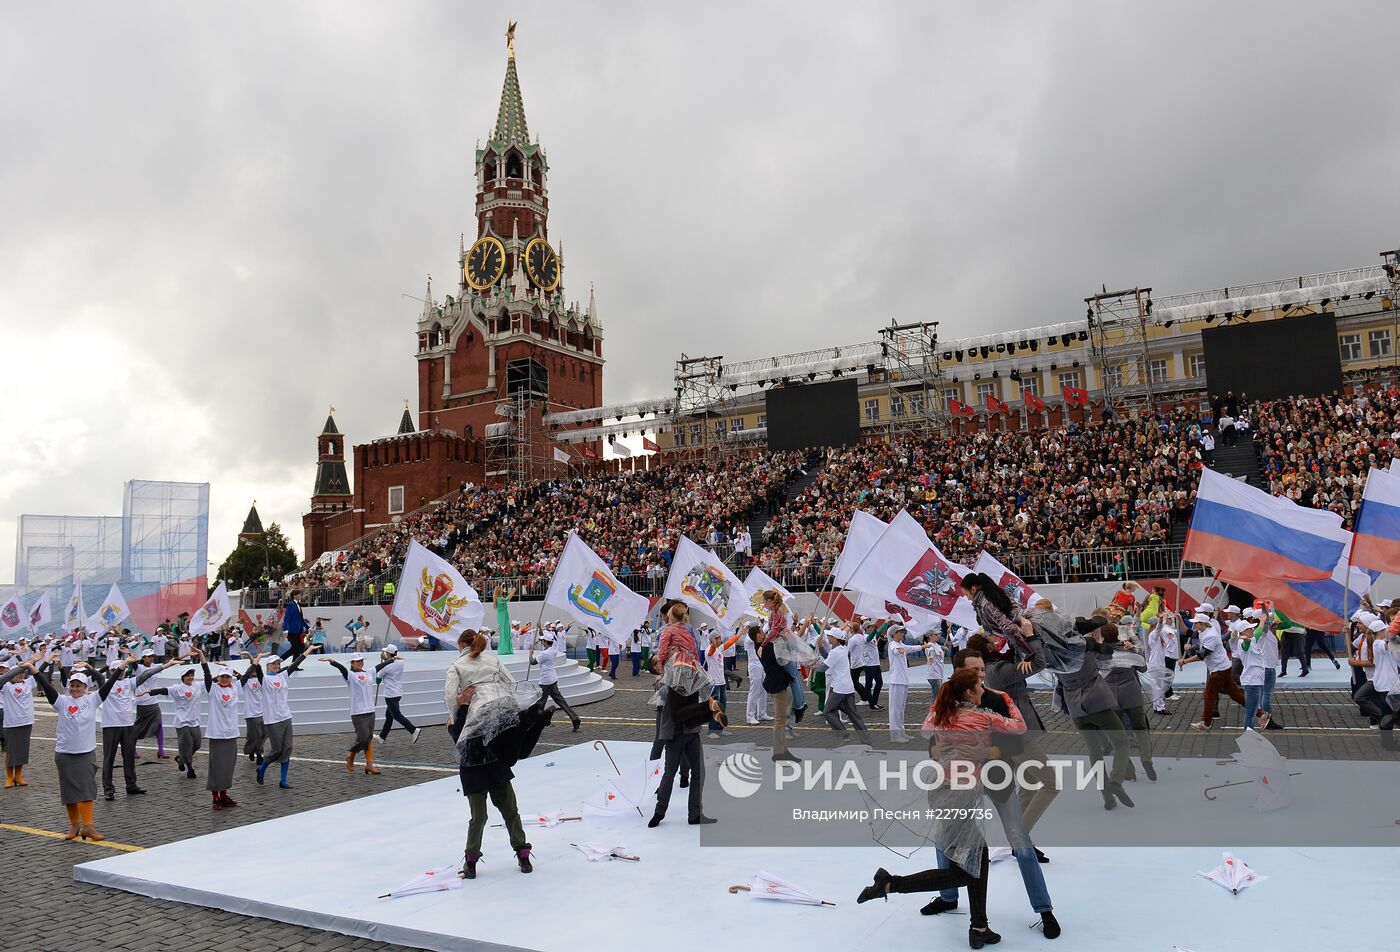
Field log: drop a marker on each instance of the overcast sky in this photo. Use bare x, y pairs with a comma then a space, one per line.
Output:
209, 212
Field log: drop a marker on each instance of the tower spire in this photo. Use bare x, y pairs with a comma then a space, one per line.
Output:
510, 118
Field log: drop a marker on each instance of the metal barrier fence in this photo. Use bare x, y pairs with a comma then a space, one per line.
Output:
1035, 568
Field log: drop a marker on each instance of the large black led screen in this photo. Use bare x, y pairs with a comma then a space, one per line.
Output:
819, 414
1274, 359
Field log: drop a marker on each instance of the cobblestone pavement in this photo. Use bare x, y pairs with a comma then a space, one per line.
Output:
44, 909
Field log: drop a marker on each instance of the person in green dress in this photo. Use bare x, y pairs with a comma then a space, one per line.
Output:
502, 599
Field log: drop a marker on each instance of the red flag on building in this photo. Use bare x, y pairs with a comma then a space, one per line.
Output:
649, 446
1033, 403
588, 452
997, 406
1076, 396
958, 408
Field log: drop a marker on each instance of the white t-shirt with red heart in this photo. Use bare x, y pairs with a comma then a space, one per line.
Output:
17, 701
223, 712
361, 692
185, 700
76, 732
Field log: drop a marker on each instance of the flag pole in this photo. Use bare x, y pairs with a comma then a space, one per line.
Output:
873, 546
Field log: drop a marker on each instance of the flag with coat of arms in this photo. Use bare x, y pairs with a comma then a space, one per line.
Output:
906, 568
213, 614
586, 588
112, 612
12, 617
702, 580
432, 596
755, 585
40, 613
73, 617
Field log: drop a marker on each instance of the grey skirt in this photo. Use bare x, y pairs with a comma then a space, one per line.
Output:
223, 755
279, 739
77, 776
17, 745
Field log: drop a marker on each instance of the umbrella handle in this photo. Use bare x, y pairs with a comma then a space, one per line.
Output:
599, 743
739, 889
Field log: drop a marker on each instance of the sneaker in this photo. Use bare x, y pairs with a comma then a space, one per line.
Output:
939, 905
416, 733
1200, 726
752, 722
1262, 721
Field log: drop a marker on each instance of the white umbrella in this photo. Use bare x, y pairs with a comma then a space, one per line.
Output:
1233, 874
998, 853
1270, 770
546, 821
767, 886
434, 880
603, 853
625, 793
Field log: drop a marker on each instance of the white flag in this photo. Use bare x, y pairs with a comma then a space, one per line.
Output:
864, 532
758, 582
13, 617
73, 617
702, 580
41, 613
433, 596
213, 614
1018, 591
621, 449
561, 456
586, 588
113, 611
905, 567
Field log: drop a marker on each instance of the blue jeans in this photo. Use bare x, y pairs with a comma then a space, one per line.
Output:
1009, 812
798, 700
1259, 697
720, 693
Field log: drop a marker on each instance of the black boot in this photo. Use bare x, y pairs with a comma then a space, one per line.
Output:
522, 857
655, 820
939, 905
469, 865
1150, 770
1049, 925
1041, 857
878, 889
1117, 790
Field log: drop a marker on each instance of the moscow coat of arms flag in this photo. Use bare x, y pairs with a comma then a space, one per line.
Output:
586, 588
702, 580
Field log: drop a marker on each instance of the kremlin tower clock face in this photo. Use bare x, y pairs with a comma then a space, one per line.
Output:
486, 262
542, 264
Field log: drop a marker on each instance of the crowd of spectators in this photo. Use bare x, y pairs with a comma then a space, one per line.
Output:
1073, 503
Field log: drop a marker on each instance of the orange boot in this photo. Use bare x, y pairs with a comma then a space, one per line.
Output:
349, 761
19, 778
370, 768
89, 831
73, 820
9, 777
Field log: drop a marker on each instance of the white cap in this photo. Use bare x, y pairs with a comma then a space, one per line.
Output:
149, 651
1205, 607
79, 677
1384, 603
1376, 624
1201, 619
1253, 613
1232, 609
356, 657
1359, 615
547, 635
391, 649
836, 632
189, 671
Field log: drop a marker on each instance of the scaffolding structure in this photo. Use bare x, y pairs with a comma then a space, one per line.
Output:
515, 447
1118, 341
699, 397
913, 371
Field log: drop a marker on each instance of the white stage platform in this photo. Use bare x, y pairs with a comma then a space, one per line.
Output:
319, 702
325, 868
1323, 675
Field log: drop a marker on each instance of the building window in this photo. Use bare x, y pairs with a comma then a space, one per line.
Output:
395, 500
720, 427
896, 406
1070, 379
1113, 376
1380, 343
916, 404
949, 395
1030, 385
680, 437
1157, 370
1351, 346
1198, 365
763, 421
697, 436
985, 390
872, 411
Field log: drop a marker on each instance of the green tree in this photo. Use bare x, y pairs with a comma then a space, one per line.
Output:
269, 555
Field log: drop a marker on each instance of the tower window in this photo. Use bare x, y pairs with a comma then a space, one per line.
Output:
514, 168
489, 170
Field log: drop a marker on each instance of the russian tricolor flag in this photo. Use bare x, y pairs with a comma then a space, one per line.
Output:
1247, 533
1377, 541
1322, 605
